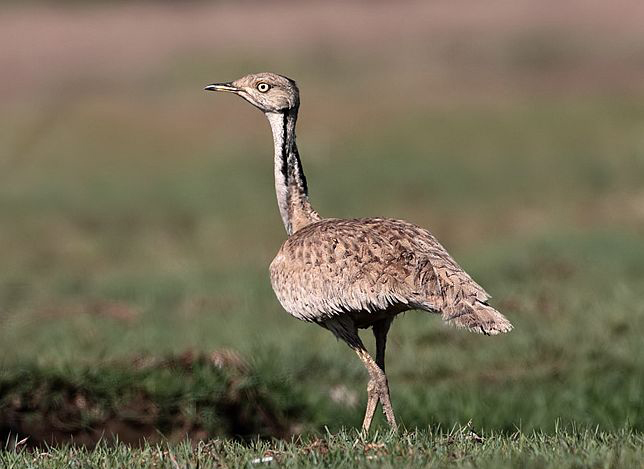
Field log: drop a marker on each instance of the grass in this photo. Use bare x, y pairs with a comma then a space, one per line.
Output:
195, 396
103, 271
138, 222
531, 378
457, 448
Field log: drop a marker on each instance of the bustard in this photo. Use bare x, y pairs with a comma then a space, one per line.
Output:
350, 274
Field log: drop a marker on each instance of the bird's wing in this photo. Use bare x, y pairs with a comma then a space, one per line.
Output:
335, 266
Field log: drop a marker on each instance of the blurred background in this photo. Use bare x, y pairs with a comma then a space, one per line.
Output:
138, 215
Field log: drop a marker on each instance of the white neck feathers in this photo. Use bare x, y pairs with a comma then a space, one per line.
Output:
290, 182
279, 128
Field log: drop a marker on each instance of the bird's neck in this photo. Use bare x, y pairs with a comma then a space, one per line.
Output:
290, 182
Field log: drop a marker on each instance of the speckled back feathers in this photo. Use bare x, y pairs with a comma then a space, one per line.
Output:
367, 266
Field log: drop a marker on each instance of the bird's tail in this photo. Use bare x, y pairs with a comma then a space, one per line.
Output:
479, 317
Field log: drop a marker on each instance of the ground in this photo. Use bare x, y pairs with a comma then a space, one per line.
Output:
138, 222
455, 448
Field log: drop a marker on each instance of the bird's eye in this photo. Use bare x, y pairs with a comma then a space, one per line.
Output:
263, 87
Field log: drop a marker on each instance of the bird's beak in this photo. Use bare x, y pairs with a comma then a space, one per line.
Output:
228, 87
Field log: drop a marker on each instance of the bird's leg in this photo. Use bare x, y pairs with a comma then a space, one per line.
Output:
344, 328
377, 389
383, 395
380, 330
372, 388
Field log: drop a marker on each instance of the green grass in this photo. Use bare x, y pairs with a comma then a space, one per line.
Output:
457, 448
146, 399
575, 356
138, 224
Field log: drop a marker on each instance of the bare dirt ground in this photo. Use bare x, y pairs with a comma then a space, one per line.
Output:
574, 45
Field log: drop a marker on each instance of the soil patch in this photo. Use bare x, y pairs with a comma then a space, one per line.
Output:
191, 395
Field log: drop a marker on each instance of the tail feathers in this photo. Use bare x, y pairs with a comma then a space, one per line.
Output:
478, 317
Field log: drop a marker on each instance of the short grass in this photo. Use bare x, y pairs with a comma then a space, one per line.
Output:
133, 251
455, 448
137, 224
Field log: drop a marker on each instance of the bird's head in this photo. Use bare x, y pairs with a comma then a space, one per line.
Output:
268, 92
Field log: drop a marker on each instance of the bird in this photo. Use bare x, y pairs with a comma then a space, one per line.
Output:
351, 274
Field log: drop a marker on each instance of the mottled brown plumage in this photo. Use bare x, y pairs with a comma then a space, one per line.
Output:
360, 267
355, 273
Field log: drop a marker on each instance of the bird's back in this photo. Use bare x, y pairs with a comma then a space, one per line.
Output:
374, 265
